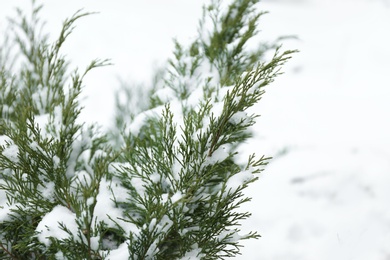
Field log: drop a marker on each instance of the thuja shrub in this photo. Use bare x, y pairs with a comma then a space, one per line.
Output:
164, 182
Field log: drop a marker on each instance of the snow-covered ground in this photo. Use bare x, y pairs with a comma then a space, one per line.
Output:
326, 193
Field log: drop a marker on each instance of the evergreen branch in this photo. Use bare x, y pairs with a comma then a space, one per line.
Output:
7, 251
167, 175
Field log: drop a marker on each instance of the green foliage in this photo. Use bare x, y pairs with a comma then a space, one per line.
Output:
165, 182
39, 121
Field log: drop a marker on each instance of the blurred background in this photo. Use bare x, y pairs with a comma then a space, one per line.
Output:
326, 120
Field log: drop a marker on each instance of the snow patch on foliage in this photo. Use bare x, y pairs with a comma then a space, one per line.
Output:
49, 227
35, 147
50, 124
238, 117
6, 211
60, 256
40, 98
42, 121
5, 208
165, 94
4, 140
82, 177
256, 86
194, 254
195, 97
122, 252
78, 147
218, 155
97, 155
238, 180
216, 110
95, 242
229, 236
56, 161
161, 227
223, 92
139, 121
139, 185
176, 197
177, 167
11, 153
47, 190
57, 115
105, 209
155, 177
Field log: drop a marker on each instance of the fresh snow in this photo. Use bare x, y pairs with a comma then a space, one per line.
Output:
237, 180
121, 252
325, 121
47, 191
238, 117
176, 197
218, 155
50, 225
105, 209
140, 120
194, 254
4, 140
5, 208
11, 152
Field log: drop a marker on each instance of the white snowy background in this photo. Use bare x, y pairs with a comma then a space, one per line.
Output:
326, 121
